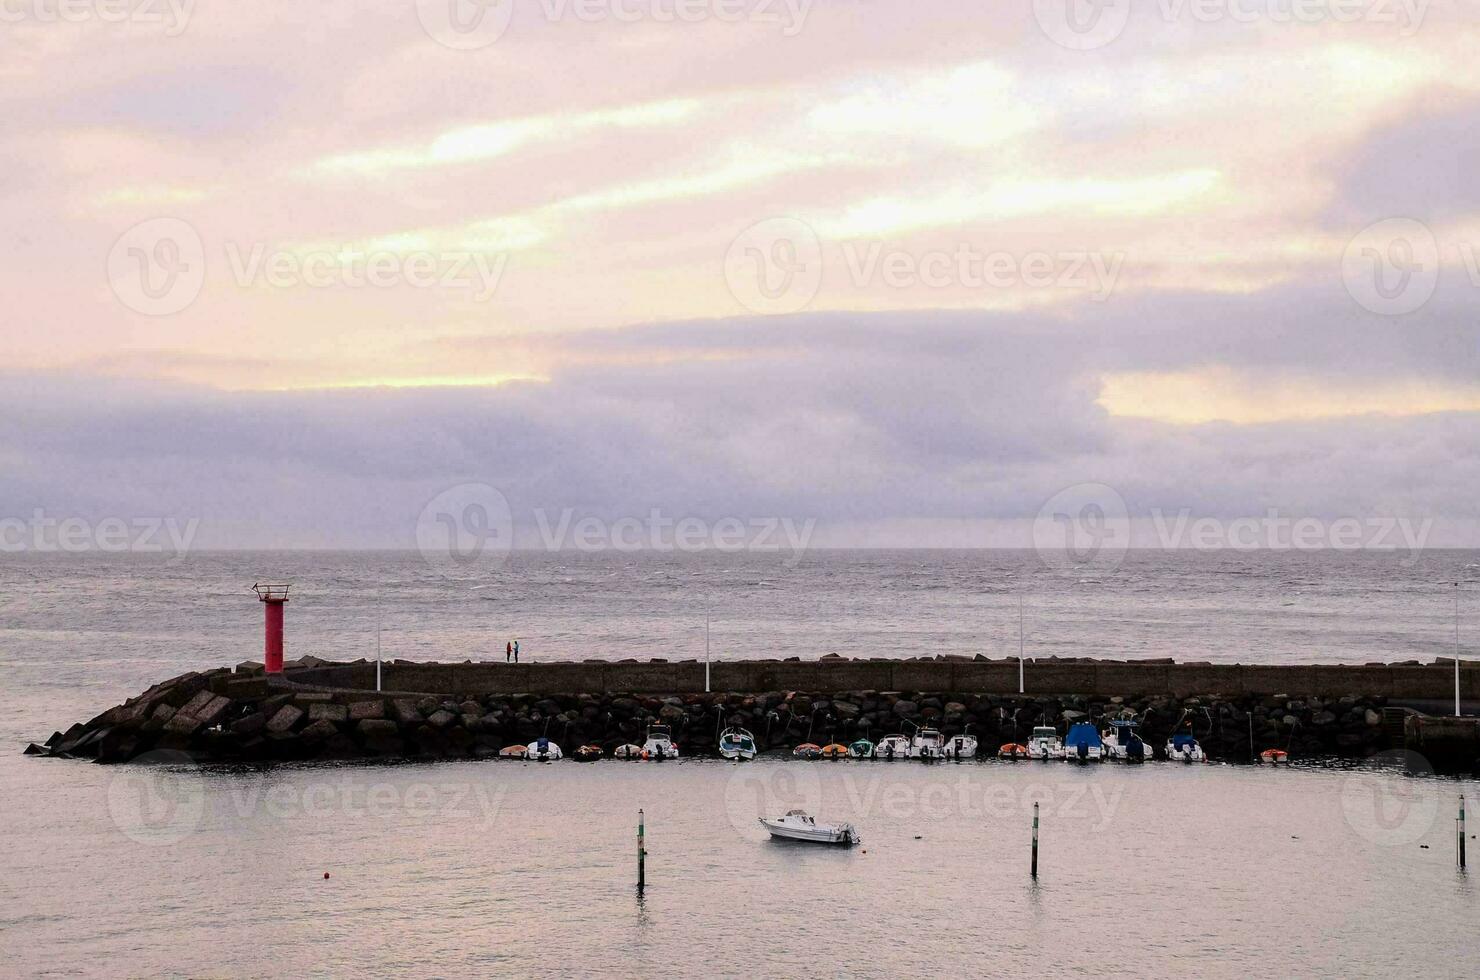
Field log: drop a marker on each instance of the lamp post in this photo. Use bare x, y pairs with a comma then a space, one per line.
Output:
1020, 643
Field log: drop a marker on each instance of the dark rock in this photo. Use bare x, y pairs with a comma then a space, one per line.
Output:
327, 712
183, 723
319, 730
213, 712
284, 719
441, 718
360, 710
252, 724
406, 712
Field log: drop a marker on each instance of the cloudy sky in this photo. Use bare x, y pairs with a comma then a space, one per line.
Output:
907, 270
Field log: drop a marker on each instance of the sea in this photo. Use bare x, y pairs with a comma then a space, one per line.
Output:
521, 869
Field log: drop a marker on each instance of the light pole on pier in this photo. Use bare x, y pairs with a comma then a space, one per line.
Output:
1020, 643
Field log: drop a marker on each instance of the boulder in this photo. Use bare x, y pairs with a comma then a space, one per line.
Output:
213, 712
252, 724
905, 707
183, 723
361, 710
197, 703
441, 718
284, 719
327, 712
406, 712
319, 730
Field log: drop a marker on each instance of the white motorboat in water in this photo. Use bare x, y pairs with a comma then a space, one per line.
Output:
659, 744
960, 747
1044, 743
1184, 748
1124, 744
799, 825
927, 744
892, 747
737, 743
542, 750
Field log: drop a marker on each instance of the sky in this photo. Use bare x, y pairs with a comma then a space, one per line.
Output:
901, 273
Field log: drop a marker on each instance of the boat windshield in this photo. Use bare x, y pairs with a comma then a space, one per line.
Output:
1044, 733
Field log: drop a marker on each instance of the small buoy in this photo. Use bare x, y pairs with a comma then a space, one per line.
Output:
326, 876
1424, 847
917, 837
865, 850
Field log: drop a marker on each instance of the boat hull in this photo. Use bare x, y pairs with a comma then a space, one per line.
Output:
841, 836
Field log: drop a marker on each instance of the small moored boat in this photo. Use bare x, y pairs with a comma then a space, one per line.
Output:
861, 749
807, 750
628, 751
960, 747
835, 750
659, 744
1044, 743
737, 743
587, 753
1123, 743
1013, 750
1083, 743
892, 747
1184, 748
513, 752
542, 750
799, 825
928, 744
1275, 757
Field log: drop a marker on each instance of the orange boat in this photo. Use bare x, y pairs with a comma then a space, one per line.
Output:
835, 751
1274, 756
1012, 750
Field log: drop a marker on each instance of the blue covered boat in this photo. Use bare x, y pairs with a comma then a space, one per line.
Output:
1184, 748
1083, 743
1124, 744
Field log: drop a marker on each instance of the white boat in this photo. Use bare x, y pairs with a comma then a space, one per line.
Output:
737, 743
960, 747
927, 744
892, 747
542, 750
1044, 743
659, 744
799, 825
1083, 743
1184, 748
1124, 744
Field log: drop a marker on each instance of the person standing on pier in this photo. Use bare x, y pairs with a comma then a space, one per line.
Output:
508, 650
516, 651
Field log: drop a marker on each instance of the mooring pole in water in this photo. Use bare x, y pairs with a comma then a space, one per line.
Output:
641, 854
377, 650
1461, 831
1035, 842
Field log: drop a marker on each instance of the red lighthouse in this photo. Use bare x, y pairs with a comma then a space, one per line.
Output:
273, 598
